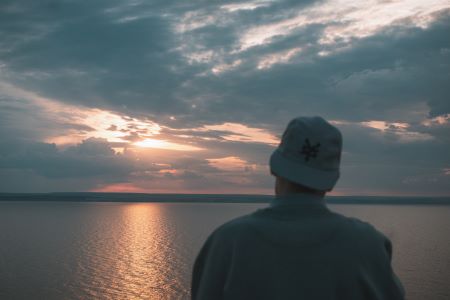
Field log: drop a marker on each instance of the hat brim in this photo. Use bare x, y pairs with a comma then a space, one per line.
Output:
299, 173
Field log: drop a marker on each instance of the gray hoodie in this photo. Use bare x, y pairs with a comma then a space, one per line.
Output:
295, 249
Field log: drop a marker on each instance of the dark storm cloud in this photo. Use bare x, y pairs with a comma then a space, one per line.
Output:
375, 160
92, 158
387, 72
80, 53
125, 57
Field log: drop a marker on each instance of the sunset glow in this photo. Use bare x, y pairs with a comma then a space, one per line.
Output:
231, 163
243, 133
161, 144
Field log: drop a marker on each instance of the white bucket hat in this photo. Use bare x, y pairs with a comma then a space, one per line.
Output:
309, 153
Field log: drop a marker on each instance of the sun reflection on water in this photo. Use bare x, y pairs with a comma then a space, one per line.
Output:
131, 257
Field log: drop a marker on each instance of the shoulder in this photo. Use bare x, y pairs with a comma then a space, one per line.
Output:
358, 227
232, 230
366, 229
365, 235
234, 226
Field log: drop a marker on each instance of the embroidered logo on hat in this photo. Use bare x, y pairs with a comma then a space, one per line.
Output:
310, 151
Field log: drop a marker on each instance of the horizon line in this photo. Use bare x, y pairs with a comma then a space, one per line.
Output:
215, 194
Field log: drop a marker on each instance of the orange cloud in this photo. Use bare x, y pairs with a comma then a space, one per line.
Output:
162, 144
242, 133
230, 163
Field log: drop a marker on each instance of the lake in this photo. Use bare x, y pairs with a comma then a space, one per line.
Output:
83, 250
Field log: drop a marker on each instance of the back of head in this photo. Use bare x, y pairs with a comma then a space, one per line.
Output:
309, 154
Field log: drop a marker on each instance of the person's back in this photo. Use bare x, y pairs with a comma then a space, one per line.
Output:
295, 249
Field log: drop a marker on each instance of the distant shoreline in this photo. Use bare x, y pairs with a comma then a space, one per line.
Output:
209, 198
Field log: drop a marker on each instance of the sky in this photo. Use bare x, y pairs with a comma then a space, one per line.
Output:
193, 96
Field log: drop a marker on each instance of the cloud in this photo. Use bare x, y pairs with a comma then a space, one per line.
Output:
175, 96
93, 157
78, 52
230, 163
145, 65
345, 20
162, 144
382, 77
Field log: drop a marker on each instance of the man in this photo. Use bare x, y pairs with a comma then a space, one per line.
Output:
297, 248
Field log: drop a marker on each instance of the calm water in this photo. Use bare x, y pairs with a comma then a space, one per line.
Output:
54, 250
